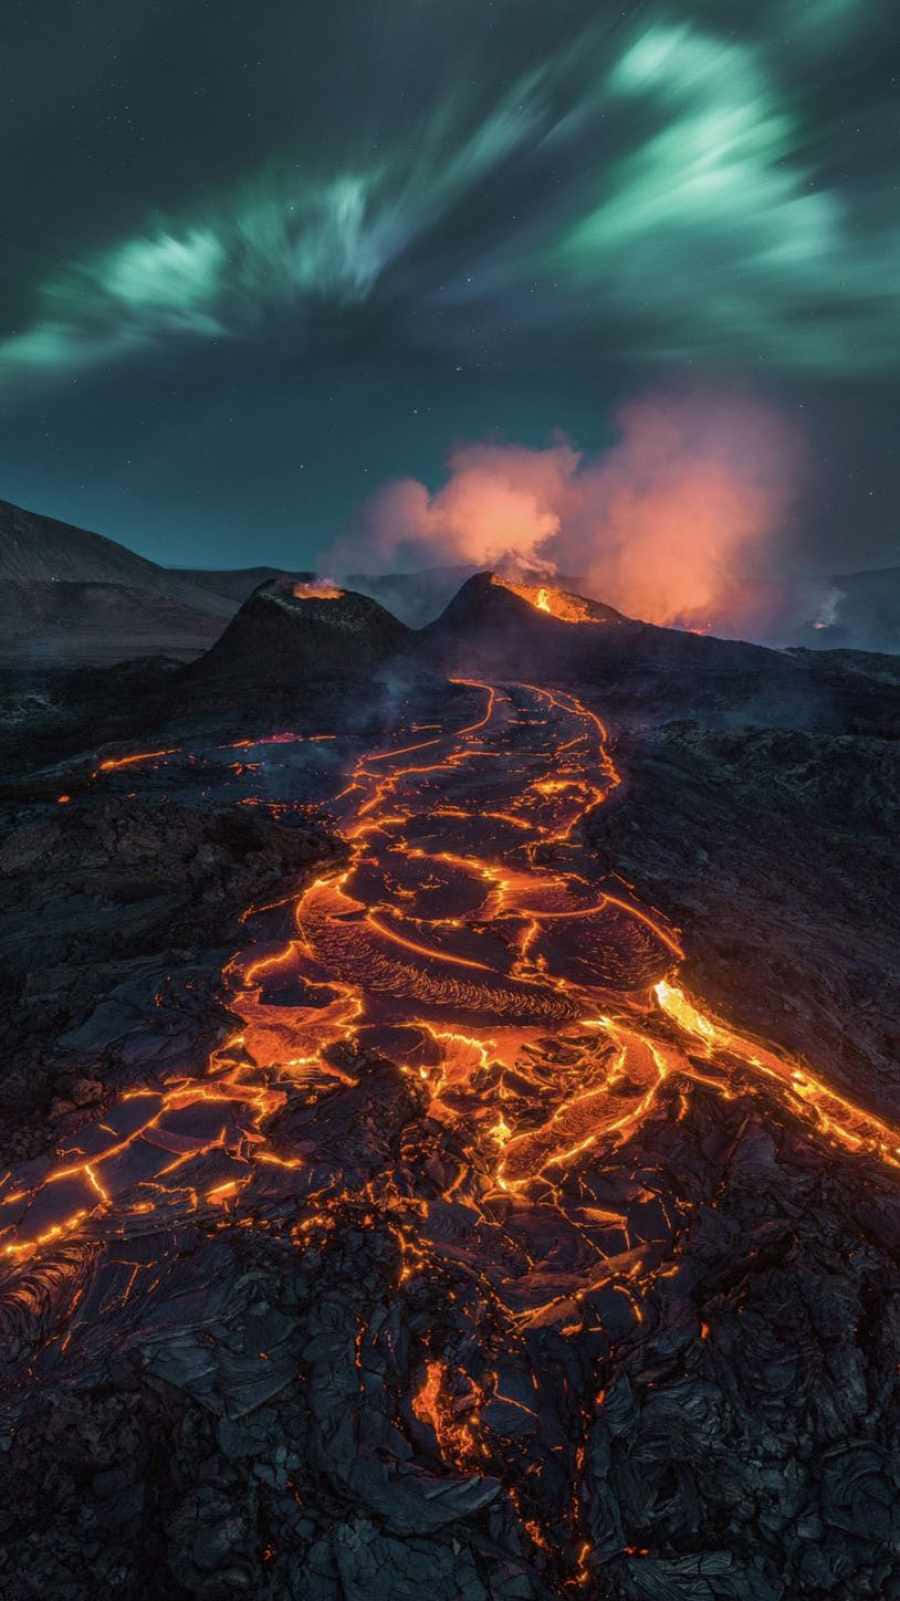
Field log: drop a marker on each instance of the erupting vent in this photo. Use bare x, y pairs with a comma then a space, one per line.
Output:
559, 603
317, 589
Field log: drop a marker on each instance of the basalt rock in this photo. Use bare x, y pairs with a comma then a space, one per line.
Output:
138, 900
414, 1231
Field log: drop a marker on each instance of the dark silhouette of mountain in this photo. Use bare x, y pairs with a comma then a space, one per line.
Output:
647, 672
73, 623
291, 630
39, 548
70, 596
501, 627
419, 598
491, 611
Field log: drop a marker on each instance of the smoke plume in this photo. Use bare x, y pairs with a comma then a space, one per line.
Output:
683, 521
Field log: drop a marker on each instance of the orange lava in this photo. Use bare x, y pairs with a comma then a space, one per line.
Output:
316, 589
466, 915
113, 762
809, 1097
557, 603
467, 937
454, 1418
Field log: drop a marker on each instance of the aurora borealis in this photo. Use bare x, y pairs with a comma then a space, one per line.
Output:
261, 266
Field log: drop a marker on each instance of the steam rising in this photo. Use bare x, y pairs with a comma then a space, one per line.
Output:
678, 523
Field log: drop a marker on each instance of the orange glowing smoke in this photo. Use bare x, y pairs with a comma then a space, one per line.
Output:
678, 523
317, 589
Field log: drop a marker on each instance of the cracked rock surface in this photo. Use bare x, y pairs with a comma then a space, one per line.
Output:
305, 1341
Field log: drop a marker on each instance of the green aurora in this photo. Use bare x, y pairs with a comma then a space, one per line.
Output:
696, 216
261, 260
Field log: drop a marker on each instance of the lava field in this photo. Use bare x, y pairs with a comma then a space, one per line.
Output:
480, 1252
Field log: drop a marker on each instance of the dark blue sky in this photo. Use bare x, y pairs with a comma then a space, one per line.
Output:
262, 259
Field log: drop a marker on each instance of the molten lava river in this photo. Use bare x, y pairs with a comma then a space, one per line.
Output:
471, 1045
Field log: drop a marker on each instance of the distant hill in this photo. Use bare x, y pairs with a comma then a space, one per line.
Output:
68, 596
862, 614
416, 598
33, 547
868, 610
66, 623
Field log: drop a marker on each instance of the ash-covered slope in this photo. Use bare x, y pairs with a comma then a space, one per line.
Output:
496, 614
500, 627
500, 620
290, 631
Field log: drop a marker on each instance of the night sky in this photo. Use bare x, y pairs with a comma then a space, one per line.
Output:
262, 259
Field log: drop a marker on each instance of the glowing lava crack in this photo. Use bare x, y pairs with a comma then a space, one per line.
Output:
530, 1007
466, 919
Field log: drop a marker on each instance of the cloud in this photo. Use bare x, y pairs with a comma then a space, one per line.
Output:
683, 521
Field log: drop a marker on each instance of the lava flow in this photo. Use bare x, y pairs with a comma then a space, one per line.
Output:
466, 938
466, 946
560, 603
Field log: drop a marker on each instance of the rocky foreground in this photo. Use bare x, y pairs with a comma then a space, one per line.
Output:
388, 1333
